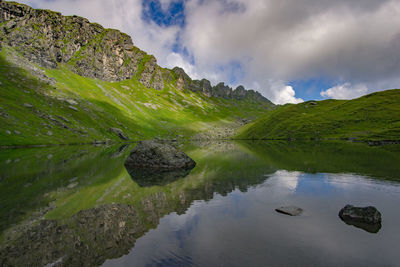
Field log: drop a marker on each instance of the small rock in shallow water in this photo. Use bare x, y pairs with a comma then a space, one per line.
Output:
367, 214
366, 218
290, 210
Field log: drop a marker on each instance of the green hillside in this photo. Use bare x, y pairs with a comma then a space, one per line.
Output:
374, 117
65, 80
69, 108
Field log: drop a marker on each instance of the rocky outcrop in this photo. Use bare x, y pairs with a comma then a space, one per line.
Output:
110, 56
222, 90
239, 92
151, 75
184, 82
154, 155
48, 38
119, 133
42, 36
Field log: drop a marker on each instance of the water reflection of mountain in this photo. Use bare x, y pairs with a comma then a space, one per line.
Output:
105, 231
102, 216
29, 176
330, 157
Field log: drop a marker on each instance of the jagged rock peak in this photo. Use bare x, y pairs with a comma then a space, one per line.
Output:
219, 90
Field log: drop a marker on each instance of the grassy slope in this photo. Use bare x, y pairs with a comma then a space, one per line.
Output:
371, 117
140, 112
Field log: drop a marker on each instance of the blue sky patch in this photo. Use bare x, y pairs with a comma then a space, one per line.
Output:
174, 14
310, 89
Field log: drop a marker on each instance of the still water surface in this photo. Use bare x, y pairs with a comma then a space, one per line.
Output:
79, 206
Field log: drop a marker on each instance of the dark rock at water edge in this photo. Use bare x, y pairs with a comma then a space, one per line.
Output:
155, 155
366, 218
290, 210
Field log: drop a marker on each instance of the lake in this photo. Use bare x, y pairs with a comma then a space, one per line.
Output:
79, 206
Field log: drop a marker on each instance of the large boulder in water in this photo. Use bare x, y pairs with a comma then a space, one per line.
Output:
366, 218
158, 156
152, 163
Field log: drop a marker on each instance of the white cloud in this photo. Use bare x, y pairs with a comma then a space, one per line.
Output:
345, 91
279, 93
348, 42
286, 95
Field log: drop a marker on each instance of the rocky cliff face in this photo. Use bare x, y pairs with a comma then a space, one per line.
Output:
48, 39
219, 90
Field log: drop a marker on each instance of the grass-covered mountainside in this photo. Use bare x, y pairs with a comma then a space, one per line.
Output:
374, 117
66, 80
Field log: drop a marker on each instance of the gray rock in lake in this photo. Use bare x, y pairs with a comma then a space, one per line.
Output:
366, 218
290, 210
158, 156
367, 214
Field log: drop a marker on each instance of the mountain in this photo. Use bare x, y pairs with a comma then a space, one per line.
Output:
66, 80
374, 117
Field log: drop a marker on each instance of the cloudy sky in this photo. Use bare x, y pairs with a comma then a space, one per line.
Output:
289, 50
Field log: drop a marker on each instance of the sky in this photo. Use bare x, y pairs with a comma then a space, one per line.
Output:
289, 50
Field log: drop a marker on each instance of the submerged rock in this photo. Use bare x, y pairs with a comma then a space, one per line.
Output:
158, 156
366, 218
290, 210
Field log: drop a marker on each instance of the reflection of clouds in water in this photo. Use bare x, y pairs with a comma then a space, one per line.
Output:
176, 221
286, 179
353, 181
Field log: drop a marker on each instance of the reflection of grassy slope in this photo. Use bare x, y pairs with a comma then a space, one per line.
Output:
329, 157
139, 111
219, 172
372, 117
31, 178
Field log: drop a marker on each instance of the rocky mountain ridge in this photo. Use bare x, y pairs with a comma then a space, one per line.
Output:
49, 39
